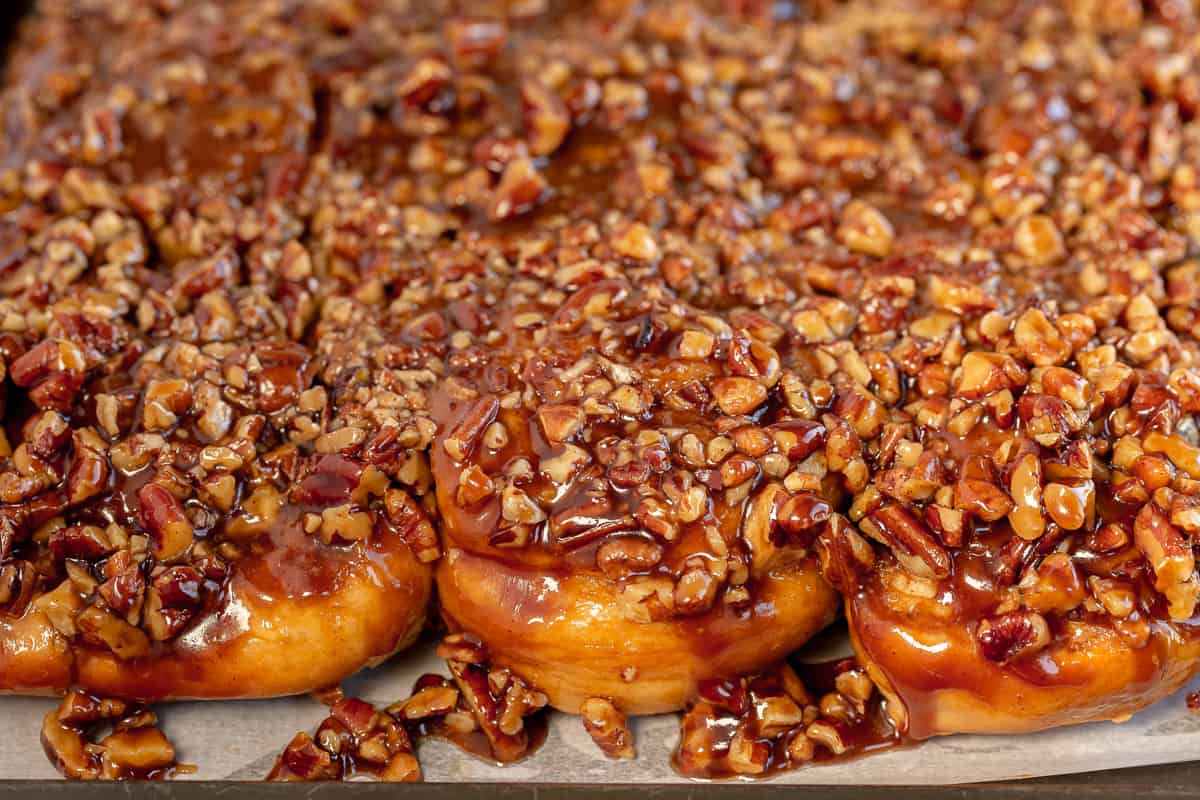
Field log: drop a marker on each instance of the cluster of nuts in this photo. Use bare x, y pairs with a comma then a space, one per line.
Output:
355, 739
134, 747
477, 704
1046, 444
770, 722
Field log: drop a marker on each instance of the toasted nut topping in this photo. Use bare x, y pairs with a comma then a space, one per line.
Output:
627, 290
475, 419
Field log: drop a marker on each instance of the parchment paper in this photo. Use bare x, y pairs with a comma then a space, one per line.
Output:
239, 741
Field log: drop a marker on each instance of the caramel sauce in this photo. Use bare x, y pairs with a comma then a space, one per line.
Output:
289, 563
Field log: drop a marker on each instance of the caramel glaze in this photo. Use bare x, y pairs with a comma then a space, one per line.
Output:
873, 224
234, 121
925, 649
551, 615
262, 640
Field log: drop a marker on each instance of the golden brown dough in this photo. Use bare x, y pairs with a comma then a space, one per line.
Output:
573, 637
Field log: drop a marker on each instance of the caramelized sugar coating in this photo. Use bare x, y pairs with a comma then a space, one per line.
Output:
612, 463
982, 311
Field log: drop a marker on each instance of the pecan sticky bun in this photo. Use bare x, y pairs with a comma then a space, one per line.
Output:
194, 502
685, 323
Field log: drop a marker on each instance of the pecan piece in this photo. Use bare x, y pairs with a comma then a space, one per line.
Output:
1011, 636
465, 435
1170, 557
303, 760
981, 498
521, 188
560, 421
431, 701
53, 371
984, 373
1026, 487
696, 589
163, 517
100, 627
608, 727
622, 556
87, 542
865, 229
546, 118
738, 395
912, 543
844, 554
89, 471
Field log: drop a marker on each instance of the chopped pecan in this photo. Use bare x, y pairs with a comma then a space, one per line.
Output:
89, 471
1012, 636
521, 187
608, 727
546, 118
135, 749
499, 710
738, 395
466, 434
913, 545
559, 422
1171, 558
164, 519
